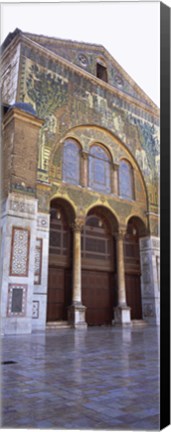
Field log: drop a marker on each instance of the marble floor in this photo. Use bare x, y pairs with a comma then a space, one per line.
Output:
99, 378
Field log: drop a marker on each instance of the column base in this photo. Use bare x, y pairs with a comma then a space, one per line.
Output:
76, 316
122, 315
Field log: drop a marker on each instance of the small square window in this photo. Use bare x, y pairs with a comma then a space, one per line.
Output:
101, 72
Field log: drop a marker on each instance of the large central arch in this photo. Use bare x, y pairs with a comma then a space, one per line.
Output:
99, 278
60, 260
135, 230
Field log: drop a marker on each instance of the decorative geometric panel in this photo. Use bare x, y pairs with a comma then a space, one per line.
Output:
158, 270
148, 310
144, 243
38, 262
19, 252
146, 273
17, 296
35, 309
156, 244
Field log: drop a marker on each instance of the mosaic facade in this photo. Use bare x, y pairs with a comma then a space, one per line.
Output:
94, 143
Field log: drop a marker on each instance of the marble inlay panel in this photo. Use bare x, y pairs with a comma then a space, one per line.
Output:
17, 296
35, 309
22, 206
148, 310
38, 261
19, 252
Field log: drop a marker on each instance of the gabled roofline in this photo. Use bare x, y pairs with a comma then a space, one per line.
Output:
19, 36
10, 38
104, 52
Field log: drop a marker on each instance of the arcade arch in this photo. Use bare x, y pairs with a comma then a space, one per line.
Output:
135, 230
99, 274
60, 260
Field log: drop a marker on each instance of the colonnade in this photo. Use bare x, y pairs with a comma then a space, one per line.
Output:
77, 310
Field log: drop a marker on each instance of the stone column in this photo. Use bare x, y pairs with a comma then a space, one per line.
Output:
122, 311
76, 312
84, 169
115, 187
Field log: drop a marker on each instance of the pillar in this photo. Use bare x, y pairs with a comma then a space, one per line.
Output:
84, 169
122, 311
150, 279
115, 189
76, 312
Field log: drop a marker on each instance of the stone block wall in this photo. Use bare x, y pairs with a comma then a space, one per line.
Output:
18, 247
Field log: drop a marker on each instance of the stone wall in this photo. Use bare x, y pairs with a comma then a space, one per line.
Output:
18, 247
150, 279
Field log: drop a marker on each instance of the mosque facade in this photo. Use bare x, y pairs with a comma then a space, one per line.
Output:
80, 242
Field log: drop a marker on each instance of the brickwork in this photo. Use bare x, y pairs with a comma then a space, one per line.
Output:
20, 151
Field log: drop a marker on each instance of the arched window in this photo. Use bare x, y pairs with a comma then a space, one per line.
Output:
126, 182
71, 162
99, 169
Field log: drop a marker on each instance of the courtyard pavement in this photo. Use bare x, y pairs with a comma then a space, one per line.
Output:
99, 378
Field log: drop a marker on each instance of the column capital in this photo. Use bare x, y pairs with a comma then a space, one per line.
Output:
115, 166
121, 233
84, 155
78, 224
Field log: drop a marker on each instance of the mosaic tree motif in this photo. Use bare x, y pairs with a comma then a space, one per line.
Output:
46, 89
148, 151
99, 169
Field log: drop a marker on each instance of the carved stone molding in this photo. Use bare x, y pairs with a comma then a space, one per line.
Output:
121, 234
78, 224
156, 243
35, 309
147, 289
43, 221
145, 243
115, 166
148, 310
22, 206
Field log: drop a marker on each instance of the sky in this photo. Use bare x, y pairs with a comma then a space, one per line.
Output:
130, 31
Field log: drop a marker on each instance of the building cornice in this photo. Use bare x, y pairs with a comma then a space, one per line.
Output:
15, 113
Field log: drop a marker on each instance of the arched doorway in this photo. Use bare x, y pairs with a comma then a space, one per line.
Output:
135, 229
60, 260
99, 283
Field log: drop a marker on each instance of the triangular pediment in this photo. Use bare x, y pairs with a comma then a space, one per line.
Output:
86, 56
